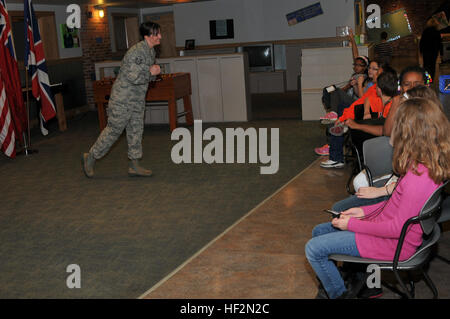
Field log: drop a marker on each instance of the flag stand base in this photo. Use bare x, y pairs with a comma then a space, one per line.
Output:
30, 151
27, 152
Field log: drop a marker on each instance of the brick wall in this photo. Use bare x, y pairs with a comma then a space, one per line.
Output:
418, 11
96, 45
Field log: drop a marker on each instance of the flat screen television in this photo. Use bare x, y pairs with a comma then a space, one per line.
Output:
260, 57
395, 24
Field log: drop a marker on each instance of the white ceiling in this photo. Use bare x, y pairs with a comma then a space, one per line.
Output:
112, 3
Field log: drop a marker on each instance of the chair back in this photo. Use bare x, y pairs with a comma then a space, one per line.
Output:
377, 154
445, 210
423, 251
432, 207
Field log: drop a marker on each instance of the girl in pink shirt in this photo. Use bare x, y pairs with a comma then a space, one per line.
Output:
422, 160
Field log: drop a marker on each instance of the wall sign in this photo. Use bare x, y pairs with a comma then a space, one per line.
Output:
304, 14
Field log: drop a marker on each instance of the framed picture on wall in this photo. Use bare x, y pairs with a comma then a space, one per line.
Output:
221, 29
69, 37
189, 44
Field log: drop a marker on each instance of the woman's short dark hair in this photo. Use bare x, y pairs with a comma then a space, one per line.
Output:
149, 28
414, 69
388, 82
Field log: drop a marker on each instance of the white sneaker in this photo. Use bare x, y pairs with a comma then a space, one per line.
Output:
331, 164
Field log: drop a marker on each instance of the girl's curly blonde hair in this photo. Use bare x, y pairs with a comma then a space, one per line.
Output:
421, 135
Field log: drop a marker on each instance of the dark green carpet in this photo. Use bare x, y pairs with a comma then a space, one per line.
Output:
125, 233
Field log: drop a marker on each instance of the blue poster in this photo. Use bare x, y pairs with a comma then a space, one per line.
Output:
304, 14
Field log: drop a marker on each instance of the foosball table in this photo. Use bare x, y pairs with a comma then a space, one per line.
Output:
167, 87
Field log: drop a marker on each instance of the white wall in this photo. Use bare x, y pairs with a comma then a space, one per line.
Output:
155, 10
60, 18
259, 20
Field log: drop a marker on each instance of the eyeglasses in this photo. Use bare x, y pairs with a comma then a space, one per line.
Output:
356, 64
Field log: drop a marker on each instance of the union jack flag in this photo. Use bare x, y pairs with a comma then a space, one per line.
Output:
35, 63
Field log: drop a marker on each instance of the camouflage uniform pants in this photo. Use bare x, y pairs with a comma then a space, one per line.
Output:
120, 117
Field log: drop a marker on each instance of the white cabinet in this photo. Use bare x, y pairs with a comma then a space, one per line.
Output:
322, 67
235, 100
220, 90
210, 92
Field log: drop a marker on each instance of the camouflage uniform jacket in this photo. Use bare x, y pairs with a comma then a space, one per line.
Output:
131, 84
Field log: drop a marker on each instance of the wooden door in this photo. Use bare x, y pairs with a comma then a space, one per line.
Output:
167, 48
48, 36
132, 28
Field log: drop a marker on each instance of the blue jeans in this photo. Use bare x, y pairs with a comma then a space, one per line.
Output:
326, 241
337, 148
354, 201
337, 142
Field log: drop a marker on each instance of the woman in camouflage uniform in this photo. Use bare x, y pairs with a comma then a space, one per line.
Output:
127, 102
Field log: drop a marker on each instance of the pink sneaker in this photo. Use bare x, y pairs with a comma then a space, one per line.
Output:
329, 117
322, 151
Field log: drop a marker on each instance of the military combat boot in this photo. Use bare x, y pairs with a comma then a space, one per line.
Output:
88, 162
134, 169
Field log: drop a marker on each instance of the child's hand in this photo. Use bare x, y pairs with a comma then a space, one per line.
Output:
353, 212
341, 222
370, 192
351, 123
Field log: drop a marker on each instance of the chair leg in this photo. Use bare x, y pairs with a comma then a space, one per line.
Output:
402, 284
348, 184
412, 291
430, 284
394, 290
443, 259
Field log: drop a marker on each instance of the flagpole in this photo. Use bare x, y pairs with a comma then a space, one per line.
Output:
28, 111
28, 149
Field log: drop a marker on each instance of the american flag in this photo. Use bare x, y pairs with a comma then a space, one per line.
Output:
35, 62
13, 115
7, 135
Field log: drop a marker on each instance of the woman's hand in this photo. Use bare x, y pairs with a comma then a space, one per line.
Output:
367, 116
370, 192
341, 222
353, 212
155, 69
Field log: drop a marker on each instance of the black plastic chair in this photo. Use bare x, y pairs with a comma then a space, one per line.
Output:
444, 217
377, 154
377, 160
352, 155
431, 232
